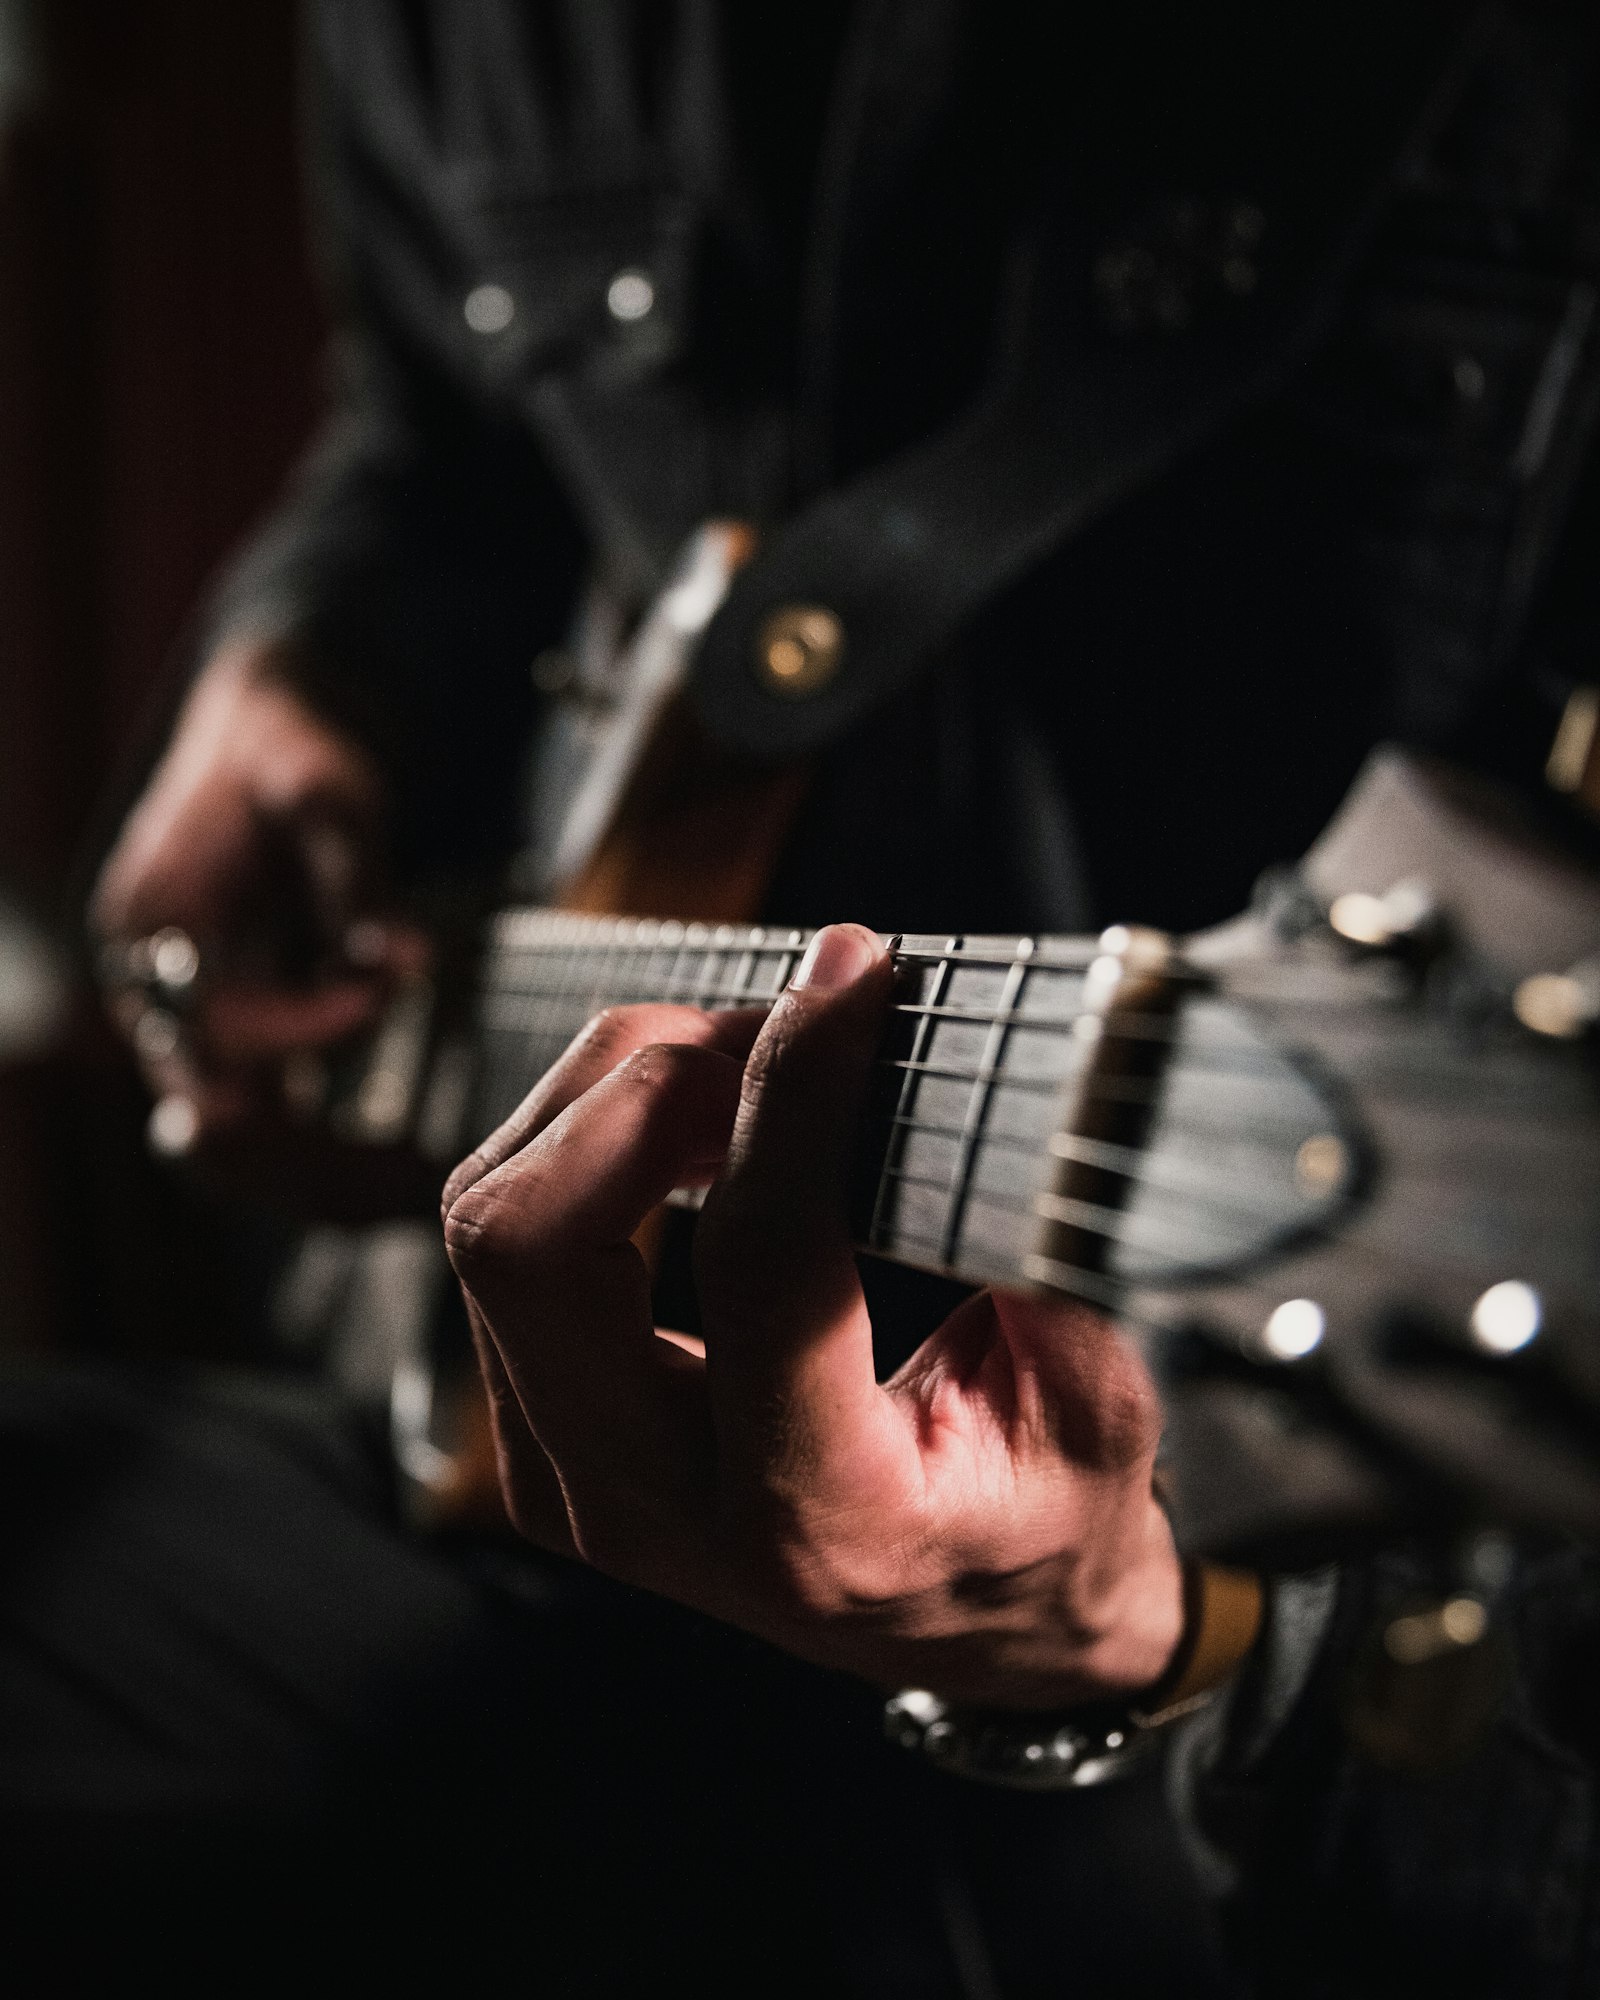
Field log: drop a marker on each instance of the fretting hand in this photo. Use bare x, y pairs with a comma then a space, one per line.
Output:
982, 1524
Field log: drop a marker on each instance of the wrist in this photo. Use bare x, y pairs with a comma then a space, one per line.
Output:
1141, 1617
1092, 1742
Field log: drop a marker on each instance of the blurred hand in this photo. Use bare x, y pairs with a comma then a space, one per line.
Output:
982, 1525
258, 837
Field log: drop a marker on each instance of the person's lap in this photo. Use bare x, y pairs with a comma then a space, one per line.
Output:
237, 1692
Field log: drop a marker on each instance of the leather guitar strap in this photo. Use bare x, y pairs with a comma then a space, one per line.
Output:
1146, 322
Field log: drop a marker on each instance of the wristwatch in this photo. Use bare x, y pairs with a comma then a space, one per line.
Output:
1057, 1750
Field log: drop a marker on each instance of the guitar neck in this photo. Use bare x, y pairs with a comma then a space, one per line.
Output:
1006, 1134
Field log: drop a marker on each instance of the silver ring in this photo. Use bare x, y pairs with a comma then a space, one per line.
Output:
164, 966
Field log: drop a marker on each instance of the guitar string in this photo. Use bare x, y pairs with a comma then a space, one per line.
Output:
1205, 1060
1208, 1062
897, 1237
894, 1234
1126, 1022
607, 943
1134, 1166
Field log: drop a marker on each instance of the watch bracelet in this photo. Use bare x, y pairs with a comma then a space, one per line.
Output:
1054, 1750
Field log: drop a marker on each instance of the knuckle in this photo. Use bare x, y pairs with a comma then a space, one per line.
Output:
1126, 1419
612, 1035
481, 1234
770, 1059
657, 1066
664, 1076
467, 1175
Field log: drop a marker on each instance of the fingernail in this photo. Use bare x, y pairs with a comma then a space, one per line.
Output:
836, 957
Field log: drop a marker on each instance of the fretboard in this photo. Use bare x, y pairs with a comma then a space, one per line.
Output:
1019, 1129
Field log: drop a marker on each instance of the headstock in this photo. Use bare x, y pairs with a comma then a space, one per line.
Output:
1426, 1351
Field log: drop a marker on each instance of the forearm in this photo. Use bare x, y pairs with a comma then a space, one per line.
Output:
415, 569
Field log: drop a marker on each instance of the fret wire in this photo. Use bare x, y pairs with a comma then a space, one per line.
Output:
559, 1008
679, 979
982, 1091
1088, 1285
919, 1040
704, 981
572, 1014
500, 980
1131, 1027
1073, 958
729, 992
1124, 1224
1143, 1027
743, 974
570, 973
789, 956
1261, 1074
605, 972
1079, 957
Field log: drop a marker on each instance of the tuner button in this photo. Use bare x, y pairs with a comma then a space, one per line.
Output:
1294, 1330
1404, 912
799, 649
1507, 1317
1563, 1005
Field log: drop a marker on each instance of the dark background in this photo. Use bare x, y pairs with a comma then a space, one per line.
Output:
160, 368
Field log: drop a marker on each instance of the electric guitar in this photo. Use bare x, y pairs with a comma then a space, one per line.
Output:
1336, 1163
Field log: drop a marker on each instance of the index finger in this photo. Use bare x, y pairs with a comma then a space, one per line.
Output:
788, 1338
608, 1040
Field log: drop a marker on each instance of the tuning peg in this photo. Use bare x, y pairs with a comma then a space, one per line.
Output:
1292, 1331
1502, 1327
1406, 916
1507, 1319
1562, 1005
1282, 901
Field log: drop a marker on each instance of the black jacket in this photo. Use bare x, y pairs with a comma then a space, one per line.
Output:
1171, 404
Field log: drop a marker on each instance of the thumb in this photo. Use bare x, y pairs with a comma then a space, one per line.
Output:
1094, 1396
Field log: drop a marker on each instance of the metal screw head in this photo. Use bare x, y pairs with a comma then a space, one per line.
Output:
1406, 913
799, 650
